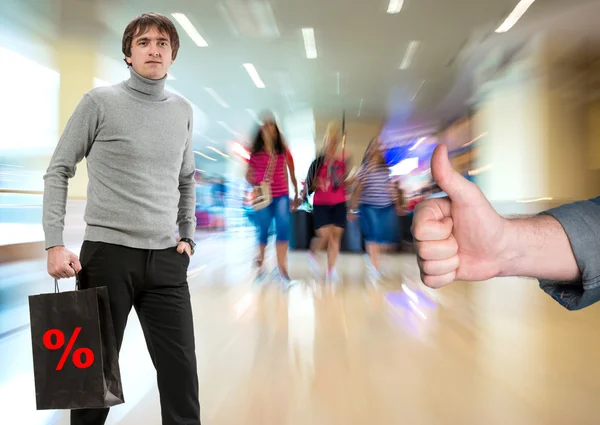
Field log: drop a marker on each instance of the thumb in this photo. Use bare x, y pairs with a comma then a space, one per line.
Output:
180, 248
456, 186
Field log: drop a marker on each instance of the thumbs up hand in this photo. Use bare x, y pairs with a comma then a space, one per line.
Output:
460, 237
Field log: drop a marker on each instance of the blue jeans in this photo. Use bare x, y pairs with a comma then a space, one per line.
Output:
279, 209
379, 224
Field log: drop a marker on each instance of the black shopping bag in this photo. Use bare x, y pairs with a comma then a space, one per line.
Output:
75, 357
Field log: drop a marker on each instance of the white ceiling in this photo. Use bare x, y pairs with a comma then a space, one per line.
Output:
355, 38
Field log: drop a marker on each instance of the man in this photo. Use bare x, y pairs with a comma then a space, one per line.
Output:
137, 139
461, 237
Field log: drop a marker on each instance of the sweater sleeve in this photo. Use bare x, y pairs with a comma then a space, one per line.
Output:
186, 216
73, 145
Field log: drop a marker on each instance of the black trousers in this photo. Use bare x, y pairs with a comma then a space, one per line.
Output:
154, 282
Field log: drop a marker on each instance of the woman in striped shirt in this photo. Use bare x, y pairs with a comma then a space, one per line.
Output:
269, 147
379, 204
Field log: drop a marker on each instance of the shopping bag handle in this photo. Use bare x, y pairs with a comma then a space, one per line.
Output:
77, 283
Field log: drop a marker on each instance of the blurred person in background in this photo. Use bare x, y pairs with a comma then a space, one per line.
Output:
217, 210
269, 154
203, 202
327, 179
137, 138
380, 204
219, 190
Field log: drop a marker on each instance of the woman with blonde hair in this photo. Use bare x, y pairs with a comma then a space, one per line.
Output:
327, 179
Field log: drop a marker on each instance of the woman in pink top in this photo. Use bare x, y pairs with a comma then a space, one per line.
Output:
271, 160
327, 179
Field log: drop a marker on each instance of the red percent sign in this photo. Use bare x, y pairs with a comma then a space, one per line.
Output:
60, 342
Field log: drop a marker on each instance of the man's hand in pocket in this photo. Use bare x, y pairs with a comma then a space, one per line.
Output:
184, 247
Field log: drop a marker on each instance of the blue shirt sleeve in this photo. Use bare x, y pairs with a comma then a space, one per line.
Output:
581, 222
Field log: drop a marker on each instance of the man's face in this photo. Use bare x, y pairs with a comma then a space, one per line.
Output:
151, 54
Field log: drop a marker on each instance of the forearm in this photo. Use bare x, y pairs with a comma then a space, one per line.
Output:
54, 205
249, 177
539, 247
186, 215
354, 198
294, 183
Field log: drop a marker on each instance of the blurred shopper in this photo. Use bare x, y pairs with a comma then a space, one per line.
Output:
218, 208
270, 162
219, 191
327, 179
379, 206
137, 138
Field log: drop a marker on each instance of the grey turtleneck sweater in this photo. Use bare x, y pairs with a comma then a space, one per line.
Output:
137, 140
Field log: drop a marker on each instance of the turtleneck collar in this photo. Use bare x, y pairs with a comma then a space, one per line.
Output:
146, 88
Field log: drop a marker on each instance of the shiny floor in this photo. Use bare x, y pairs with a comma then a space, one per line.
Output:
357, 352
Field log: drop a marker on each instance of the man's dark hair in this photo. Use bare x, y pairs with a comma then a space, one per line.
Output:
142, 23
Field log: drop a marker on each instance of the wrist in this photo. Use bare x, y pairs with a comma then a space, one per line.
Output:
190, 242
511, 253
537, 247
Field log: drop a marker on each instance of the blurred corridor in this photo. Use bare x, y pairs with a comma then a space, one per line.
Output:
395, 352
511, 87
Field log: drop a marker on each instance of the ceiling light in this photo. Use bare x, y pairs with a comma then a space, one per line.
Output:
250, 18
199, 170
254, 75
480, 170
418, 143
218, 151
418, 90
405, 167
190, 29
395, 6
216, 96
309, 43
254, 116
482, 135
515, 15
240, 150
527, 201
410, 54
229, 129
360, 107
204, 155
209, 140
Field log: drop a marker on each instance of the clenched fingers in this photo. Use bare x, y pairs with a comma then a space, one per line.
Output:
64, 271
431, 229
436, 250
437, 282
439, 267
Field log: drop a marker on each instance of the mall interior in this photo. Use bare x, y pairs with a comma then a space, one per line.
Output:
511, 87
